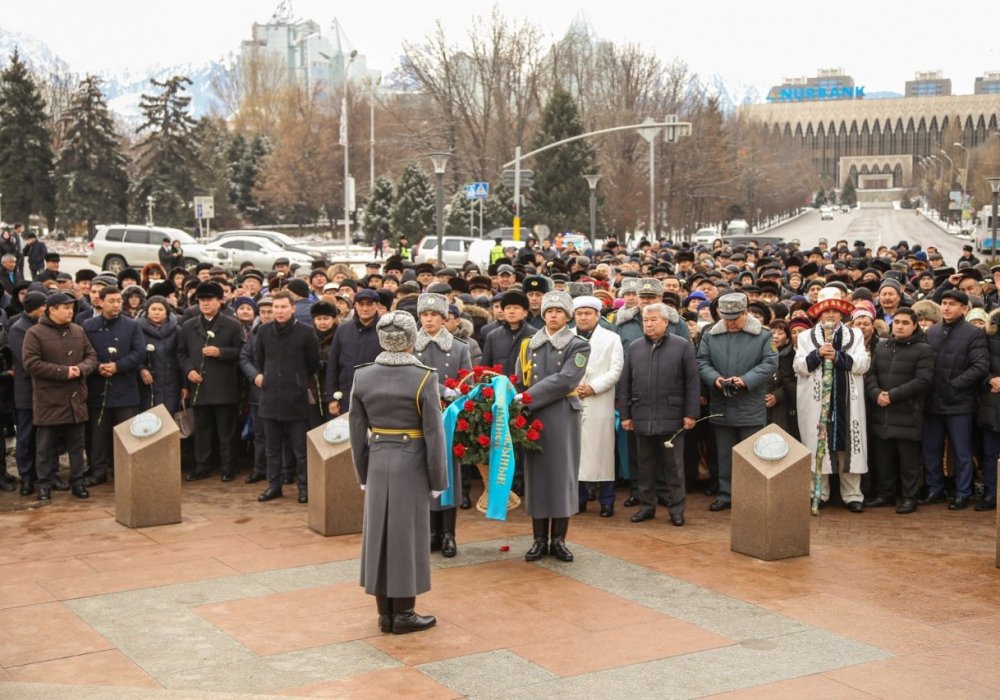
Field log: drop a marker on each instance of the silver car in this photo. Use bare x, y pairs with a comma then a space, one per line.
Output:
258, 251
119, 246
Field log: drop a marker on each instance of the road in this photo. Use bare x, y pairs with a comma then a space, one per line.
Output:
874, 226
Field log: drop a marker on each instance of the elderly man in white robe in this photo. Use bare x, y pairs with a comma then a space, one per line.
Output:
597, 394
846, 438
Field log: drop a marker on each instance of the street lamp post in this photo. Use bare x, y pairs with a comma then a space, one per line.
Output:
149, 210
965, 175
371, 130
650, 133
347, 171
440, 161
592, 181
995, 187
951, 168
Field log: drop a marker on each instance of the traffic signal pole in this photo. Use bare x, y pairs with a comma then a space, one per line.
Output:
517, 193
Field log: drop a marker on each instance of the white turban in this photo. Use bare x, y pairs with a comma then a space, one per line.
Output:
587, 302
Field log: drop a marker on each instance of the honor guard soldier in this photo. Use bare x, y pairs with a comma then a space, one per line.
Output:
398, 447
551, 365
436, 347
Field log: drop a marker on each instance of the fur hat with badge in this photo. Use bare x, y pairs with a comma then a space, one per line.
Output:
557, 300
438, 303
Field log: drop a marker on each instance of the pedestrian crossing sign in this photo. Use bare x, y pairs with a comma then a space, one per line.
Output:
477, 190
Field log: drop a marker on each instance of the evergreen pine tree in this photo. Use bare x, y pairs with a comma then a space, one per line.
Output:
499, 208
413, 208
211, 178
378, 210
249, 176
25, 147
560, 197
849, 195
457, 222
235, 155
91, 175
167, 164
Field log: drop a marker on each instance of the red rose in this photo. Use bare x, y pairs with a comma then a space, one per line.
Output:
526, 399
459, 450
520, 422
533, 435
462, 425
487, 392
478, 371
498, 369
483, 441
513, 379
469, 406
536, 424
464, 389
463, 373
450, 383
487, 416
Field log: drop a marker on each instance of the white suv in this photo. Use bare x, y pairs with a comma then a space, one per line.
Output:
120, 246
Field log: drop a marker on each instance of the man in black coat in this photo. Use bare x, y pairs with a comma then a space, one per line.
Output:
900, 376
962, 362
35, 252
354, 343
113, 390
504, 342
287, 354
24, 448
208, 350
659, 394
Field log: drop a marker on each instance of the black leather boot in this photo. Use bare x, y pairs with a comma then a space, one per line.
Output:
404, 620
384, 604
557, 547
540, 547
449, 547
436, 528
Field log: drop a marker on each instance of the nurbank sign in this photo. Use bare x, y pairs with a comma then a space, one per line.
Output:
817, 93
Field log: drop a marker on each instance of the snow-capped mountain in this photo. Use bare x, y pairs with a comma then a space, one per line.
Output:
123, 90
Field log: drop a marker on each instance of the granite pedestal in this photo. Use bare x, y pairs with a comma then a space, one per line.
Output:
148, 474
770, 518
336, 502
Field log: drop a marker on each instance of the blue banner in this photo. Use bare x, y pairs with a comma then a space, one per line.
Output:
501, 450
501, 475
450, 418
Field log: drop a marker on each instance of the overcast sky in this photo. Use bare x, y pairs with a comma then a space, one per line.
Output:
881, 44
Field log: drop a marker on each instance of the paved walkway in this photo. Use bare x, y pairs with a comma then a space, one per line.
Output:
242, 599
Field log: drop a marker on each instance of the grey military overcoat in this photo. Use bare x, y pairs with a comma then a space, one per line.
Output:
397, 393
446, 354
551, 476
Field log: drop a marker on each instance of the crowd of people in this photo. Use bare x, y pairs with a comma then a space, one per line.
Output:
885, 361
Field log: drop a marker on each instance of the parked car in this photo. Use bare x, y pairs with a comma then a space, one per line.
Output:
261, 252
456, 250
825, 213
705, 236
737, 227
289, 243
119, 246
479, 251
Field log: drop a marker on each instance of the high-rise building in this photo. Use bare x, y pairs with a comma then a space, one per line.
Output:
829, 84
929, 83
285, 51
988, 83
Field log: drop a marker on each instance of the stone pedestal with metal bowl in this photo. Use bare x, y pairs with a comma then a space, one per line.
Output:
771, 488
336, 502
148, 470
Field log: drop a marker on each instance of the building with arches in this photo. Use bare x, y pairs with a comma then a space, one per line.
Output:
877, 142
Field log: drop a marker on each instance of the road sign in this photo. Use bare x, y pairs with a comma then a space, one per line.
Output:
204, 207
477, 190
527, 178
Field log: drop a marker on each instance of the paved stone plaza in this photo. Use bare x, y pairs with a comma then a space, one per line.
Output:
242, 599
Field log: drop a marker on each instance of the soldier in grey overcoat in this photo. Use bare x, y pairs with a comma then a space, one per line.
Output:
436, 347
398, 464
551, 365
